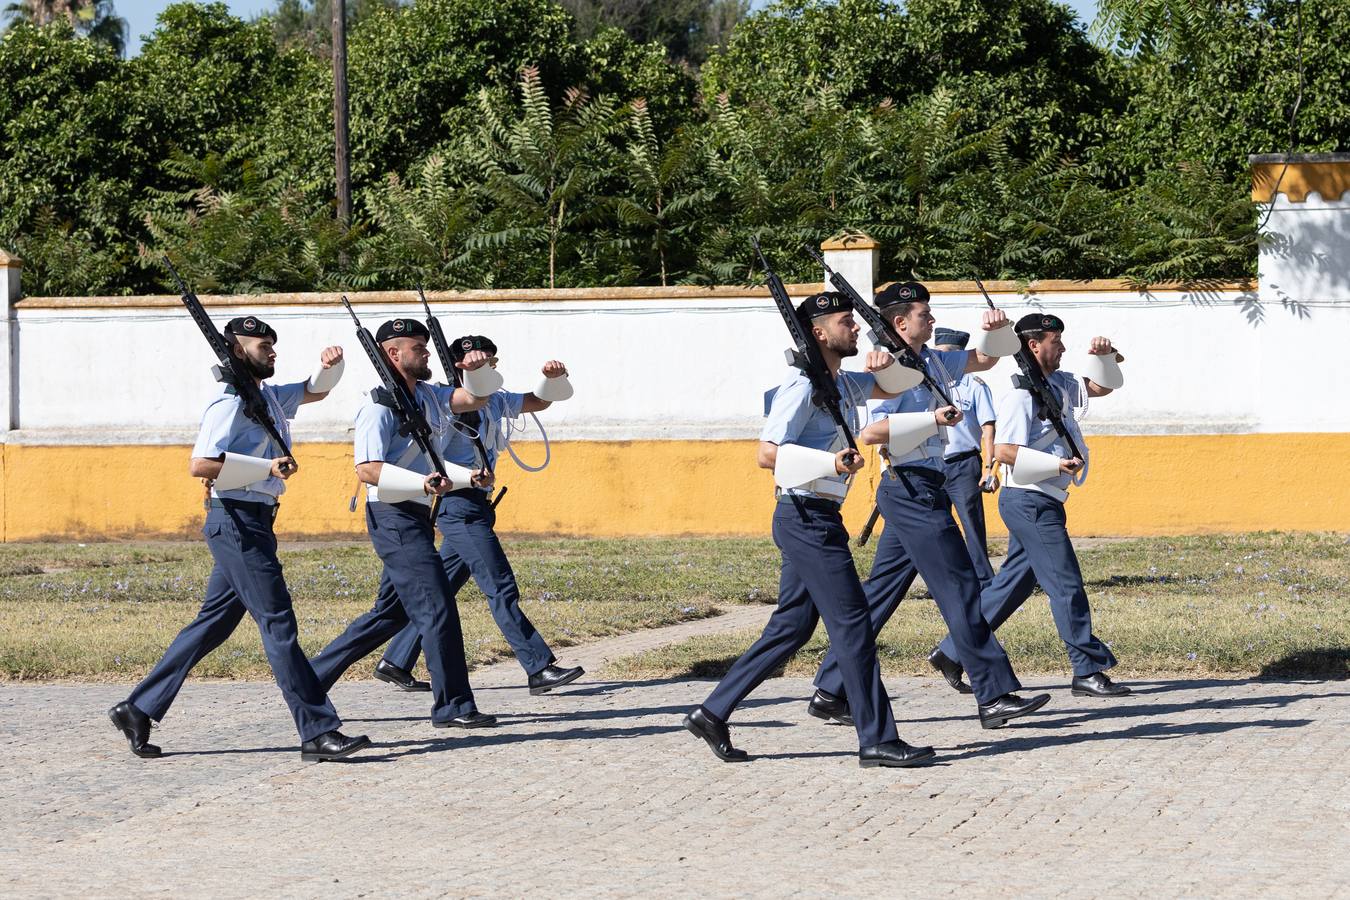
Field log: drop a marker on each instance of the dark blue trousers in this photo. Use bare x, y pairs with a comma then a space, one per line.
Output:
963, 487
412, 588
920, 532
247, 577
1039, 550
471, 547
818, 581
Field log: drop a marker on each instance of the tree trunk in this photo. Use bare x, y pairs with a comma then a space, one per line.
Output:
341, 133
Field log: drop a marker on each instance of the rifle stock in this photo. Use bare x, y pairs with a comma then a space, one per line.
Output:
452, 373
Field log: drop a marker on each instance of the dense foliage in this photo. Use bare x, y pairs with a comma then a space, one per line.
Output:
508, 143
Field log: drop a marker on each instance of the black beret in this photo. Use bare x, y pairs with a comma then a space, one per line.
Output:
250, 326
463, 346
1034, 322
945, 336
398, 328
901, 292
823, 304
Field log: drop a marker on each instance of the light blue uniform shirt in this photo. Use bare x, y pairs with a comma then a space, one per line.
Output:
1018, 424
458, 447
377, 438
794, 419
225, 428
920, 399
976, 402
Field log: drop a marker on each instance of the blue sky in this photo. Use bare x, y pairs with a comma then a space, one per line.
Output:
140, 14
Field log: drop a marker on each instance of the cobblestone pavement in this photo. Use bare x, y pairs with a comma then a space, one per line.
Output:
1190, 788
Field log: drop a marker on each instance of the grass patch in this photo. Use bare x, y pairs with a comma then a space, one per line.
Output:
1264, 604
108, 611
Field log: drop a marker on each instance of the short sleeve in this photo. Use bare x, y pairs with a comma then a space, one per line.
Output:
290, 396
213, 439
984, 404
788, 415
375, 427
859, 387
507, 405
1014, 418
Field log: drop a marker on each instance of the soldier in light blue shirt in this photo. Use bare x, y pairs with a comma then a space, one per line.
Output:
247, 472
970, 442
1039, 467
401, 483
920, 533
811, 460
471, 547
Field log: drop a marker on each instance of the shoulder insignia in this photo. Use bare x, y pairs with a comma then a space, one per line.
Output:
978, 380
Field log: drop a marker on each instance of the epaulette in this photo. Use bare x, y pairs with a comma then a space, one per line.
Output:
978, 380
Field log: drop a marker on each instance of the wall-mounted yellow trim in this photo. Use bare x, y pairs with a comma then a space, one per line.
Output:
683, 294
1296, 180
1139, 485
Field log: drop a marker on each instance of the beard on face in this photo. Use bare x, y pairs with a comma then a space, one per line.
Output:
258, 369
843, 346
420, 371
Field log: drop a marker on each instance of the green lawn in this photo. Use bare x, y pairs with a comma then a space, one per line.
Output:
1249, 604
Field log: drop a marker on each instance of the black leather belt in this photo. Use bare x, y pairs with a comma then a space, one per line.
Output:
960, 456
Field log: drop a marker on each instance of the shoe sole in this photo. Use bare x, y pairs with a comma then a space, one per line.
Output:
535, 692
907, 764
387, 679
1004, 720
828, 717
130, 746
329, 757
1100, 696
491, 722
698, 734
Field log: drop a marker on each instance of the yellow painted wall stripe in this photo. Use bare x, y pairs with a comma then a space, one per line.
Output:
1139, 485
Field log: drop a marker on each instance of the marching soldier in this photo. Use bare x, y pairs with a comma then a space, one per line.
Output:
240, 459
969, 460
818, 578
400, 486
1039, 466
920, 532
470, 545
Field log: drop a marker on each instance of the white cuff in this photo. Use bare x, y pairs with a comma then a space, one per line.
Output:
897, 378
483, 381
324, 380
1033, 466
554, 389
797, 465
1002, 341
1102, 369
909, 430
240, 470
398, 484
459, 476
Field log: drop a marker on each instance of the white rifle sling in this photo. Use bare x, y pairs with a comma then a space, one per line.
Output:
999, 342
324, 380
483, 381
240, 470
398, 484
1102, 369
908, 431
798, 466
554, 389
896, 379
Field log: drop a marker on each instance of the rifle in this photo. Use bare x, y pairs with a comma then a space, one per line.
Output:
411, 421
230, 368
1047, 402
472, 420
806, 355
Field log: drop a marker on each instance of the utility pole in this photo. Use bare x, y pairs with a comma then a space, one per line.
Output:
342, 134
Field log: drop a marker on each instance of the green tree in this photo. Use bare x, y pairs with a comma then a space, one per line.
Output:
94, 19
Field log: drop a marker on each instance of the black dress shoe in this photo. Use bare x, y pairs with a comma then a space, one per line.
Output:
827, 706
473, 719
715, 732
894, 754
400, 678
332, 745
551, 677
950, 669
136, 726
1009, 706
1097, 685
